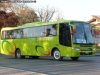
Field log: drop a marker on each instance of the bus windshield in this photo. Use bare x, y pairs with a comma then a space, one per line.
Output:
84, 33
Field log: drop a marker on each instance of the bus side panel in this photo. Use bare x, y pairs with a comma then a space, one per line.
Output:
65, 50
7, 47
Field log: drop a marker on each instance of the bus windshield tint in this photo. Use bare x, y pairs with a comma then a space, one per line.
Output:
84, 33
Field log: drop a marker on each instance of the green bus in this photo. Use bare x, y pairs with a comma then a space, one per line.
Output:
65, 38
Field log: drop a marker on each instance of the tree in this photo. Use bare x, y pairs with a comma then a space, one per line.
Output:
48, 13
24, 13
59, 15
8, 19
11, 19
5, 6
45, 14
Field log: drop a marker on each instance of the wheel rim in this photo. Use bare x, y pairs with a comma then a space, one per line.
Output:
18, 54
56, 54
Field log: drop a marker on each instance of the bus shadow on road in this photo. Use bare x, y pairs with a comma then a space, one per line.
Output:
68, 59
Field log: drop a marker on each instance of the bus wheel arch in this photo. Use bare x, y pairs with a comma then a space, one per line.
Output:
18, 54
53, 51
56, 54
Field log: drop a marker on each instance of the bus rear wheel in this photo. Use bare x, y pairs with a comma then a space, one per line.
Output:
18, 54
56, 55
74, 58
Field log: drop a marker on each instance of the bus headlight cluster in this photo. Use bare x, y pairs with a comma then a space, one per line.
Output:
94, 49
77, 49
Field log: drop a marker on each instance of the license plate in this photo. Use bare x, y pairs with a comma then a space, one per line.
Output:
86, 53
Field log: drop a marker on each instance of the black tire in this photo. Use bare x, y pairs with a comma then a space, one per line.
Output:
22, 57
35, 57
56, 55
18, 54
74, 58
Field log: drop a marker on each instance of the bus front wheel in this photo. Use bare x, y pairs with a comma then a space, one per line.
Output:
56, 55
18, 54
74, 58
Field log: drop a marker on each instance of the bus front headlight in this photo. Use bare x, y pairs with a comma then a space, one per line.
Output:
77, 49
94, 49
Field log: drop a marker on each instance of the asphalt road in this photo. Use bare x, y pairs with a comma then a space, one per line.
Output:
48, 66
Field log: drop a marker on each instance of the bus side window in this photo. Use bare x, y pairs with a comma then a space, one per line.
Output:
18, 34
38, 31
4, 34
25, 33
48, 32
7, 34
51, 30
14, 34
30, 32
54, 29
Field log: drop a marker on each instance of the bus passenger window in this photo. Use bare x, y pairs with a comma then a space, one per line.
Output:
54, 29
48, 32
6, 35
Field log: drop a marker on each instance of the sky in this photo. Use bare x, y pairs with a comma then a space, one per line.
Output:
72, 9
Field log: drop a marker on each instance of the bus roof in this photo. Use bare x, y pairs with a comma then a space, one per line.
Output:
38, 24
